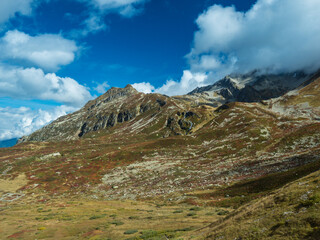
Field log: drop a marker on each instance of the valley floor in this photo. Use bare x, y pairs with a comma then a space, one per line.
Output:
42, 218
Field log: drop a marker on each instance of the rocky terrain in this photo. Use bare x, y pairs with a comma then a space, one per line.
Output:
222, 149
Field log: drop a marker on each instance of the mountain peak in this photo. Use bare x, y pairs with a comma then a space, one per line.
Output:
129, 86
115, 92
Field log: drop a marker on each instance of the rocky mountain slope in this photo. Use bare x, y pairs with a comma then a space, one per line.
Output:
177, 152
158, 113
252, 87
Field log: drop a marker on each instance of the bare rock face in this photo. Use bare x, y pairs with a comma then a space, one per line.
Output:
251, 87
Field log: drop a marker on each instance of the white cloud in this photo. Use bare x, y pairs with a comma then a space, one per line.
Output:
32, 83
94, 24
8, 8
17, 122
47, 51
144, 87
188, 82
276, 35
126, 8
102, 88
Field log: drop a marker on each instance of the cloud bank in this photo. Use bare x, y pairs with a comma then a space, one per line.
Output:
277, 35
274, 36
24, 121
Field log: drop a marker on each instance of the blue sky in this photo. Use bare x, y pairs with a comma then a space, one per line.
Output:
58, 54
149, 46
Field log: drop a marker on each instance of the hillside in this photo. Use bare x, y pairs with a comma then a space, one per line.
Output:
290, 212
128, 154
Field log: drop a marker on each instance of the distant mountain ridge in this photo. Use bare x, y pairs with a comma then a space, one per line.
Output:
252, 87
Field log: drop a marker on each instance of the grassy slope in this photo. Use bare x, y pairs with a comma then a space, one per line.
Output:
290, 212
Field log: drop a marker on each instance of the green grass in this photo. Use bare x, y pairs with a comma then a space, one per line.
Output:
131, 231
97, 217
117, 223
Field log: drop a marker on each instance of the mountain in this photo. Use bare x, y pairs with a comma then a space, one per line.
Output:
142, 113
8, 143
223, 144
149, 166
250, 87
124, 105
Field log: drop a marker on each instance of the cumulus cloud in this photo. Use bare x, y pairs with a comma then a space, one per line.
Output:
47, 51
188, 82
274, 35
9, 8
17, 122
144, 87
33, 83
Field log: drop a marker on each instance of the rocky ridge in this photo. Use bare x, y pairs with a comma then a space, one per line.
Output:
252, 87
